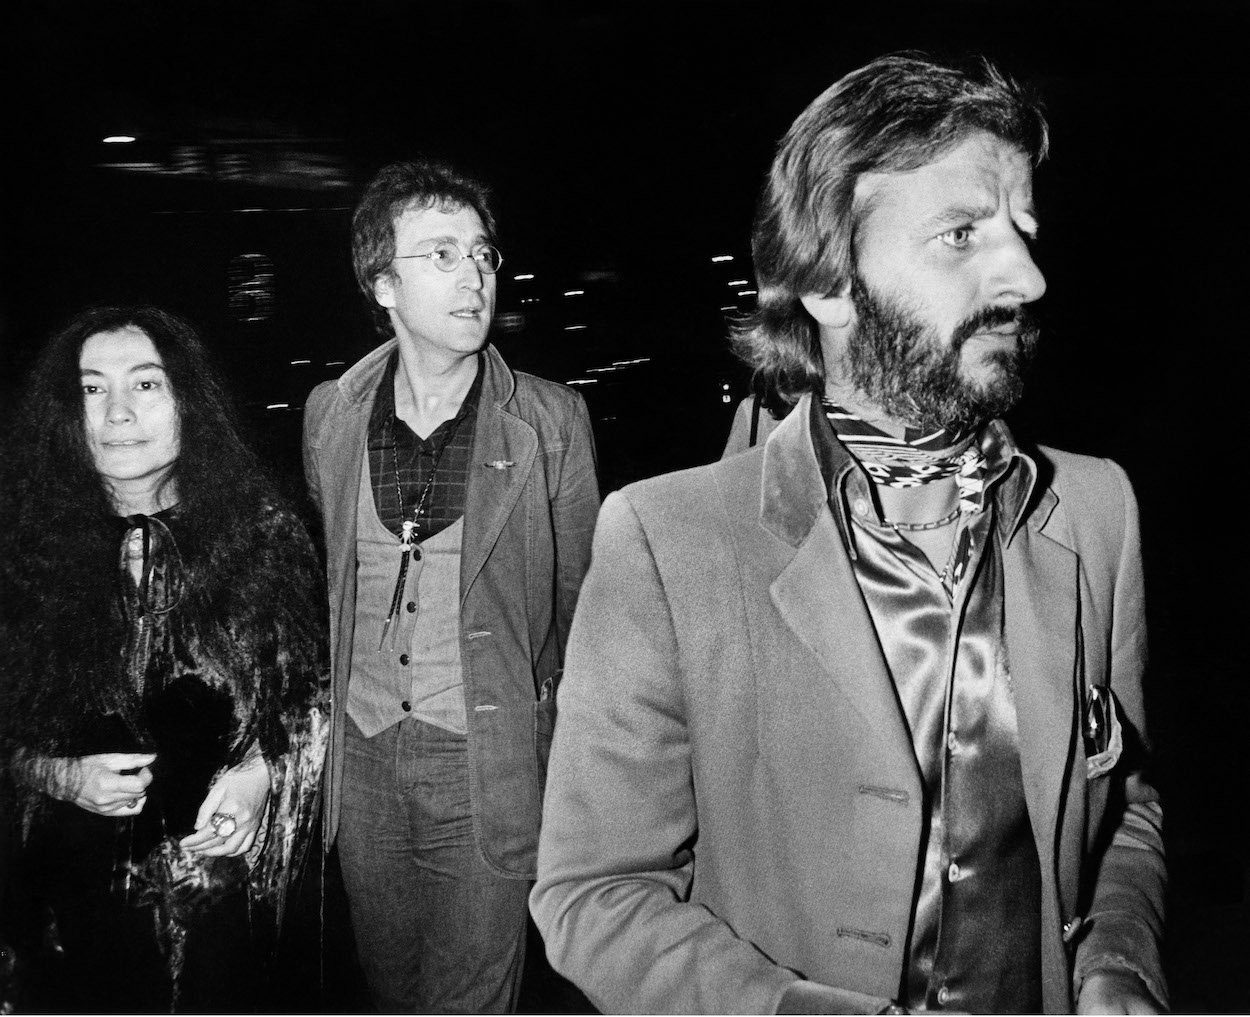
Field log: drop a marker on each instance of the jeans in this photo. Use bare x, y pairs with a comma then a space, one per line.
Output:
436, 929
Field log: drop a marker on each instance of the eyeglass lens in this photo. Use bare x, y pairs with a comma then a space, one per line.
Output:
447, 257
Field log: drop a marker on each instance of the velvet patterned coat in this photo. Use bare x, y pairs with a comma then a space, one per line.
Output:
200, 668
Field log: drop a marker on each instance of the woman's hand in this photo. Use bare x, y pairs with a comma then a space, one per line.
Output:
240, 794
109, 784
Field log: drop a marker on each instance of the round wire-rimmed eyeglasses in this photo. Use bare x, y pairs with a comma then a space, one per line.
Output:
446, 257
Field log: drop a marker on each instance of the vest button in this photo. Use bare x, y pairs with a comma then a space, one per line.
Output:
954, 872
412, 607
406, 705
403, 659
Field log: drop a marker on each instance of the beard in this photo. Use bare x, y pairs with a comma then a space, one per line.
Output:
905, 368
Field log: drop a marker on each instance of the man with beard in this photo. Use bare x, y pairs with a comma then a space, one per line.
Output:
853, 722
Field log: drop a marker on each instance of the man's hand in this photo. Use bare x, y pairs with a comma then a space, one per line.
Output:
239, 793
109, 784
1115, 992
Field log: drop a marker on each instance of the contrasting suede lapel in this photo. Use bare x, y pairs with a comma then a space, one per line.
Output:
816, 593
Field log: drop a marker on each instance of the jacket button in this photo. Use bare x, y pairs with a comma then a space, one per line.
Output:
407, 706
412, 607
403, 659
953, 873
944, 995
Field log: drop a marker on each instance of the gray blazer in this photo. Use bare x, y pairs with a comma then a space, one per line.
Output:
715, 830
528, 522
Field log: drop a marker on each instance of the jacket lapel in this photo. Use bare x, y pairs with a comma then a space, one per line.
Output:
340, 449
504, 450
1041, 577
817, 593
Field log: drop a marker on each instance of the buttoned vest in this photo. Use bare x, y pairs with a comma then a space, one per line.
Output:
416, 670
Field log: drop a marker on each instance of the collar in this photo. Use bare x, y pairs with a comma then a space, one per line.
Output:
794, 495
360, 381
1010, 476
383, 413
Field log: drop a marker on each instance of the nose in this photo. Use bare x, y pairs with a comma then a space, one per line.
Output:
471, 278
1017, 279
118, 409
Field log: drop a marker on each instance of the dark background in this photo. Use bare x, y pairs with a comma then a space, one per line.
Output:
627, 143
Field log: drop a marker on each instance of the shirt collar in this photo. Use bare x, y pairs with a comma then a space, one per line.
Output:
1010, 476
383, 414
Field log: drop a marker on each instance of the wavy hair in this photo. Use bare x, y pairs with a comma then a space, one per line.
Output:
895, 114
397, 187
59, 541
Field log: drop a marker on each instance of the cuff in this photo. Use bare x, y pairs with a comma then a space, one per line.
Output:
1118, 962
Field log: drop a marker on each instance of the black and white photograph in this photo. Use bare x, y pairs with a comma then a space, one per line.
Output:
690, 507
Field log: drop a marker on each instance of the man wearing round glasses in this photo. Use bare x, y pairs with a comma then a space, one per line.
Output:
459, 498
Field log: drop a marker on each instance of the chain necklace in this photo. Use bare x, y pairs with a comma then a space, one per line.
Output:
937, 524
409, 546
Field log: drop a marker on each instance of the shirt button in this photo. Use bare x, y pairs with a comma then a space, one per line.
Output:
861, 506
954, 872
406, 705
403, 659
412, 607
952, 742
944, 995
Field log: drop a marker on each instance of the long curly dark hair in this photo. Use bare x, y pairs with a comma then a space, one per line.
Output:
59, 539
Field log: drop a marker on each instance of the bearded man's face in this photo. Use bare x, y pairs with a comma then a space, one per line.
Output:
941, 333
914, 374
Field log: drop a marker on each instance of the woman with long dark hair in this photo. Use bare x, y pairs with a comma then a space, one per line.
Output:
162, 676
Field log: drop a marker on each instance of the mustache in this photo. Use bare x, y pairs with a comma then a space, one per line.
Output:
995, 317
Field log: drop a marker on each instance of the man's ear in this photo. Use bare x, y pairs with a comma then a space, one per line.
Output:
384, 288
835, 311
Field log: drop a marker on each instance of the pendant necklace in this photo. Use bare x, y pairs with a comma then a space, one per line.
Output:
409, 546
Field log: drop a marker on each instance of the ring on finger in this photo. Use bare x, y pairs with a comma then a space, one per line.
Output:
223, 824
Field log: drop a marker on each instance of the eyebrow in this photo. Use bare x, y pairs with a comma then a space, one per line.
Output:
955, 214
481, 238
83, 371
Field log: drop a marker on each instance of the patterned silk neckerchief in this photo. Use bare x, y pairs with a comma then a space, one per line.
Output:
916, 459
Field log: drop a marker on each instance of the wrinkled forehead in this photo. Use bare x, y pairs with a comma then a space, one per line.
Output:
977, 175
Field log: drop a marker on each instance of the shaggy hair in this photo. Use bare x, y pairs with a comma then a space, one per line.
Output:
895, 114
248, 566
397, 188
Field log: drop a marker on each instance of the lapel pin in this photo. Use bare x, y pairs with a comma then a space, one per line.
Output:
499, 464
